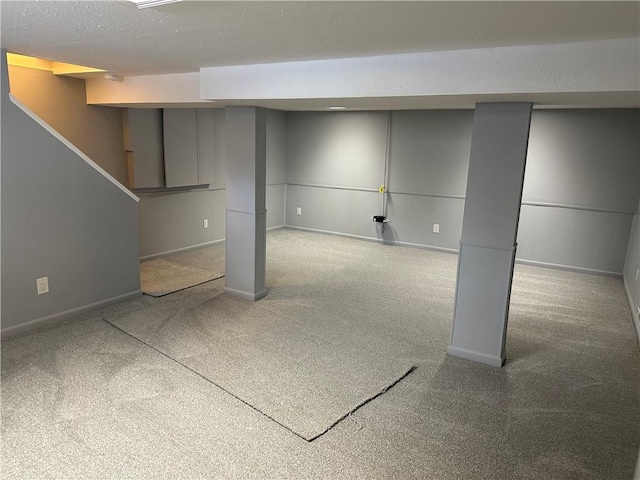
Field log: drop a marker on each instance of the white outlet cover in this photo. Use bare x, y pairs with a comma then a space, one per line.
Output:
205, 223
299, 211
42, 285
436, 228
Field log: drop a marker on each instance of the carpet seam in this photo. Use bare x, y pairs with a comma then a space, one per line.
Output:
205, 378
182, 289
370, 399
308, 440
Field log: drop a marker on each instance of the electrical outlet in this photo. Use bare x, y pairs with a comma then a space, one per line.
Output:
299, 211
436, 228
205, 223
43, 285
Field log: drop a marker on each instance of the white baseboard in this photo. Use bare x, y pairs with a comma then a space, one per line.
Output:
534, 263
335, 234
635, 315
58, 317
195, 247
246, 295
455, 251
181, 250
569, 268
372, 239
492, 360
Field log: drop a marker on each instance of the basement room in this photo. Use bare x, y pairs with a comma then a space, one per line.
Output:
320, 240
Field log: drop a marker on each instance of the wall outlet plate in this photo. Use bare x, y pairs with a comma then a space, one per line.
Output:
205, 223
436, 228
298, 210
42, 285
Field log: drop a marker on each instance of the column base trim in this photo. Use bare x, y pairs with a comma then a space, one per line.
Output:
635, 314
258, 211
246, 295
491, 246
492, 360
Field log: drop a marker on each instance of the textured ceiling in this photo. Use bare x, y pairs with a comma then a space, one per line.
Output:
182, 37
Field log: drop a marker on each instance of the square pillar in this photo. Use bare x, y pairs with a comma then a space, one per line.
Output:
246, 225
489, 229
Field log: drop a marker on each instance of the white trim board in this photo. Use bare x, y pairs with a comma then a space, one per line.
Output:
181, 250
44, 322
195, 247
533, 263
246, 295
569, 268
372, 239
635, 315
494, 361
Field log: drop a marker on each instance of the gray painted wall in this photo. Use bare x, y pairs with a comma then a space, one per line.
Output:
345, 149
62, 219
172, 221
586, 159
429, 162
335, 165
577, 158
429, 158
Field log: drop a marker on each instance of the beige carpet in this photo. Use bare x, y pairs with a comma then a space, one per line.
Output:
162, 276
303, 374
83, 400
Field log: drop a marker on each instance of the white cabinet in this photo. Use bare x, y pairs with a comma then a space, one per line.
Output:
206, 153
143, 147
167, 148
188, 146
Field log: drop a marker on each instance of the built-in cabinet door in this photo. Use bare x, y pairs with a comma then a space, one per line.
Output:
180, 127
205, 145
169, 148
143, 146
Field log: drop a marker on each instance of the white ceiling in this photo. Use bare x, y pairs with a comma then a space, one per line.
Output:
183, 37
189, 35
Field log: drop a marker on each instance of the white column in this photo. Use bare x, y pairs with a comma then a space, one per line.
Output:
246, 134
489, 229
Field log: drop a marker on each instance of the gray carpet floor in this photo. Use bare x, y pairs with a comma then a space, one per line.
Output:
86, 400
170, 274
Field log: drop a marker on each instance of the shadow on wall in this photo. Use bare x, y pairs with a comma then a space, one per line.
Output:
387, 233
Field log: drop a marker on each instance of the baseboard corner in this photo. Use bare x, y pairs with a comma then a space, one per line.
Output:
492, 360
246, 295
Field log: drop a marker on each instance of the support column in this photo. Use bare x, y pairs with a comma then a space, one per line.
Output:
246, 225
489, 229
